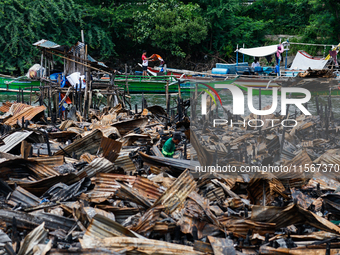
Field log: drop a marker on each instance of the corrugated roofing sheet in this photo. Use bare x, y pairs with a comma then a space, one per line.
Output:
14, 139
98, 165
46, 44
28, 114
5, 106
177, 193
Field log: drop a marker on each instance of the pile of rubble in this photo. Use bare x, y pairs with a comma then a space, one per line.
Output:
102, 186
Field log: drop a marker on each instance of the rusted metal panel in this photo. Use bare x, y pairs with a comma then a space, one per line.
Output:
87, 157
22, 168
41, 186
103, 227
124, 161
111, 148
127, 193
222, 246
14, 139
5, 106
121, 213
88, 143
147, 188
174, 196
170, 162
90, 251
23, 197
105, 187
50, 161
28, 221
128, 125
98, 165
28, 114
241, 226
295, 214
140, 246
38, 235
148, 221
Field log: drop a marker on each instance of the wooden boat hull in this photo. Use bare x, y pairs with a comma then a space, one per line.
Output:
11, 84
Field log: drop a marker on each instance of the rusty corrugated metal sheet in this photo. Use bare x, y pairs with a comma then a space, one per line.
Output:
66, 124
89, 143
29, 221
139, 245
174, 196
295, 214
128, 125
105, 187
22, 196
87, 157
148, 220
296, 179
50, 161
120, 213
98, 165
241, 226
147, 188
125, 162
39, 187
127, 193
169, 162
22, 168
28, 114
102, 227
5, 106
14, 139
111, 148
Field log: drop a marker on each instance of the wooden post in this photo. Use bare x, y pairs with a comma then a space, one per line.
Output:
85, 107
25, 149
49, 102
179, 89
167, 96
127, 85
90, 96
31, 95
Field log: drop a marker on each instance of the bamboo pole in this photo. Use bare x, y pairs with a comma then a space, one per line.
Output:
79, 62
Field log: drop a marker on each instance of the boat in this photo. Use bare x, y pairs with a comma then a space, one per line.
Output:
8, 83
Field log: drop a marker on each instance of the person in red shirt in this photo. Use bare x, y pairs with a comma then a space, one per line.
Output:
145, 63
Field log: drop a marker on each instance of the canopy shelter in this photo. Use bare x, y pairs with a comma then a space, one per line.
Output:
304, 61
261, 51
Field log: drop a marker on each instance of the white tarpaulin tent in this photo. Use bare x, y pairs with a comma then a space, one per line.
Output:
303, 61
259, 51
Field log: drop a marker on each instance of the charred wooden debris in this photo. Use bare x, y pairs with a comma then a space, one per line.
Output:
102, 185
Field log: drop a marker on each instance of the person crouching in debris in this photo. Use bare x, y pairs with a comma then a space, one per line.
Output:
169, 146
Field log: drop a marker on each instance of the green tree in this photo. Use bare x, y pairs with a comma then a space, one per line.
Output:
23, 22
171, 26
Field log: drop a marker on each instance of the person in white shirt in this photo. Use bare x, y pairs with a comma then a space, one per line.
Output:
145, 63
255, 64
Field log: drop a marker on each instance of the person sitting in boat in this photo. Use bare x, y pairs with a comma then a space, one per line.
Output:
145, 63
255, 63
169, 146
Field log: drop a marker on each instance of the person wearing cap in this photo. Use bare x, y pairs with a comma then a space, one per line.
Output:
145, 63
169, 146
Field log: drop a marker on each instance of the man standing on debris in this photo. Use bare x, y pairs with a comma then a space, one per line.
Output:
145, 63
169, 147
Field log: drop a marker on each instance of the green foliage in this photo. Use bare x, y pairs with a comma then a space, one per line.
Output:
173, 28
23, 22
170, 25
